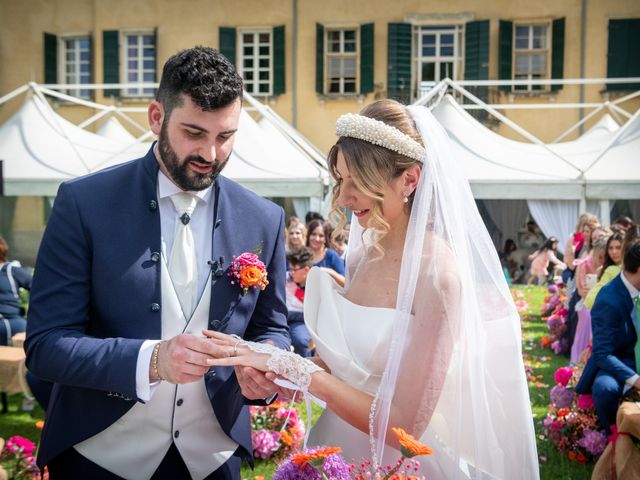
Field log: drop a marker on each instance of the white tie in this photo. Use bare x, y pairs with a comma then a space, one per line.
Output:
183, 269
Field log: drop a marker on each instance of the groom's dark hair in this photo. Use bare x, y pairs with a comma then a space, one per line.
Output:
204, 74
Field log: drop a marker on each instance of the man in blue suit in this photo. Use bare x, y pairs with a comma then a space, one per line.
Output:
612, 368
134, 264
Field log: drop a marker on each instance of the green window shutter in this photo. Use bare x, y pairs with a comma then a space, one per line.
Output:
319, 59
227, 43
111, 60
279, 56
476, 61
505, 53
622, 58
366, 58
50, 58
399, 62
557, 52
476, 51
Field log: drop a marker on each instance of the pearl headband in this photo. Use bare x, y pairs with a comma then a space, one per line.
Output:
379, 133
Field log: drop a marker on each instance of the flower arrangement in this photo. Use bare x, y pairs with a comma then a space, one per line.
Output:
18, 460
249, 272
326, 463
555, 314
571, 422
276, 430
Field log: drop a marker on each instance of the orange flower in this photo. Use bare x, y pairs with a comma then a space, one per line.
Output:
40, 424
572, 456
410, 447
250, 276
563, 412
286, 438
302, 458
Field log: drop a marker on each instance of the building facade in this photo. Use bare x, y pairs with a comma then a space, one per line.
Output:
313, 61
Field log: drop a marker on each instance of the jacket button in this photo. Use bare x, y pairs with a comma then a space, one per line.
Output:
179, 402
155, 307
155, 256
216, 324
153, 205
176, 434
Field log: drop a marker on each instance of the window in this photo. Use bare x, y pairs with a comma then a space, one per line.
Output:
75, 67
341, 61
531, 55
256, 61
139, 55
437, 55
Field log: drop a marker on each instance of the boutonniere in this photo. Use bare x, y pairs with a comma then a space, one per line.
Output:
248, 271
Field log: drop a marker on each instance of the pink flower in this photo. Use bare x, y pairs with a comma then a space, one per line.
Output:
265, 443
17, 444
563, 375
585, 402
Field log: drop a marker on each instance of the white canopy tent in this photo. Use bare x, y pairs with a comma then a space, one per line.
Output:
39, 149
556, 180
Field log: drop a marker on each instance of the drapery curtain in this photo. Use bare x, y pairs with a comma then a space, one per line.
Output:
634, 206
555, 217
509, 216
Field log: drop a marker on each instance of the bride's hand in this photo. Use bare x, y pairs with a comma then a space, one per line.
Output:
239, 354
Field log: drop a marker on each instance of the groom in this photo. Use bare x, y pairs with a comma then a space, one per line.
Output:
134, 264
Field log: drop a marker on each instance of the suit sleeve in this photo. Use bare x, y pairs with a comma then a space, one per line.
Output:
606, 322
58, 345
269, 320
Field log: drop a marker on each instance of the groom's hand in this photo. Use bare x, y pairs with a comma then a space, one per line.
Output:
183, 359
254, 384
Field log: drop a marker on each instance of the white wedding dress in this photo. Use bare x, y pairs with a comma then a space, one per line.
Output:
354, 342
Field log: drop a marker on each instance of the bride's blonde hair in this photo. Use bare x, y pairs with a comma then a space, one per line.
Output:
372, 167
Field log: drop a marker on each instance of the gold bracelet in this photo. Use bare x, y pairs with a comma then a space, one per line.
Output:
154, 360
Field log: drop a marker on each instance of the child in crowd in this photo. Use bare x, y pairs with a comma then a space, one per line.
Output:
540, 260
300, 261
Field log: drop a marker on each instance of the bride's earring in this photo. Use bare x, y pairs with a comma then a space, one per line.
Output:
406, 198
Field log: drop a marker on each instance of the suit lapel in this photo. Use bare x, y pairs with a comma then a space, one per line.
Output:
224, 246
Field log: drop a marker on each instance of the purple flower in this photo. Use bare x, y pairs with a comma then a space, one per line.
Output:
593, 442
552, 289
290, 471
336, 468
547, 421
265, 443
561, 396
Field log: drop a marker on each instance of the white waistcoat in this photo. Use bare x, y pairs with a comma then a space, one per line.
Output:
136, 443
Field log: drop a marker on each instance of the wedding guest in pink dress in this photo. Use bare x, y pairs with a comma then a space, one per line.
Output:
586, 278
540, 260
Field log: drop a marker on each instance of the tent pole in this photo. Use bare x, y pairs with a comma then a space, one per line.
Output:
512, 124
579, 124
15, 93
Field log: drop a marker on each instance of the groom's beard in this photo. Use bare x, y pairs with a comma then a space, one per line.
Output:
179, 170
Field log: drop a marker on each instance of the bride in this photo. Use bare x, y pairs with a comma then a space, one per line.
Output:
424, 336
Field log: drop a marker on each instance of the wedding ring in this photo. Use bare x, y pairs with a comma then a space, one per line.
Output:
235, 348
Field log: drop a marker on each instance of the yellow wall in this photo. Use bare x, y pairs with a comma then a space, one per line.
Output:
181, 24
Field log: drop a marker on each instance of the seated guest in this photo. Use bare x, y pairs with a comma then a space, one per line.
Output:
12, 278
300, 262
612, 368
323, 255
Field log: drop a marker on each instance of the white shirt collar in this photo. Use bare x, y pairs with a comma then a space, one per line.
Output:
166, 188
633, 291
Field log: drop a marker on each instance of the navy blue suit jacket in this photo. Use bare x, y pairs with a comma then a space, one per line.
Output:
614, 336
96, 297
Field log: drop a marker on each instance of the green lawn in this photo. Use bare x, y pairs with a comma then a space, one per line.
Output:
544, 363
